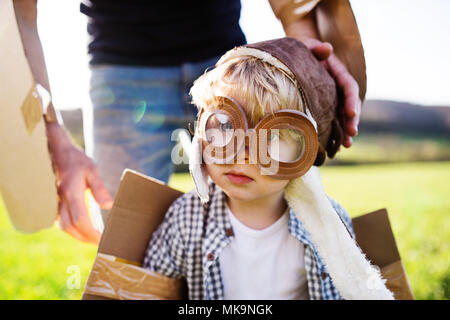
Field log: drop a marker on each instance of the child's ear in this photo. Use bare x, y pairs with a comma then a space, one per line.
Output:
198, 169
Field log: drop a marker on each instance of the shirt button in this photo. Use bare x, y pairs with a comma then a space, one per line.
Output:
210, 256
229, 232
324, 275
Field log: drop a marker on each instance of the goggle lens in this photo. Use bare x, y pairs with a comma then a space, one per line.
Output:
219, 129
285, 145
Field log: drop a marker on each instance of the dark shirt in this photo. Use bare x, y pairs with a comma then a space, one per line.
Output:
161, 33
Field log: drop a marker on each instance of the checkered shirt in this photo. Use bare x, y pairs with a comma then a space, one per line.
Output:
190, 239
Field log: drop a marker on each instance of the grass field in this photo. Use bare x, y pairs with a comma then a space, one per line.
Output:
379, 147
417, 196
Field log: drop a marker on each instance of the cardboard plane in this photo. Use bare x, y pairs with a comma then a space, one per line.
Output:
27, 179
139, 208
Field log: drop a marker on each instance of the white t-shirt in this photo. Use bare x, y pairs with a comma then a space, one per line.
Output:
263, 264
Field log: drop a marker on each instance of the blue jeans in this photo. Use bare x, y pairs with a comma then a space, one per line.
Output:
135, 110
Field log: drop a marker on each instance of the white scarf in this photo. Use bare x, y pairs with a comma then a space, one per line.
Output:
350, 271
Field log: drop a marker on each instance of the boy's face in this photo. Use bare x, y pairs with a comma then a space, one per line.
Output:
244, 182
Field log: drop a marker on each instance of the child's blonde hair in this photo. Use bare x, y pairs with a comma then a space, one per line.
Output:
261, 87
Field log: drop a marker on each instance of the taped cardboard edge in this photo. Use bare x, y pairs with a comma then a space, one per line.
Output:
375, 238
37, 107
397, 281
31, 110
373, 234
139, 207
114, 278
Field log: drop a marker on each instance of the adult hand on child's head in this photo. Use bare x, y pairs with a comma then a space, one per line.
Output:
305, 30
350, 111
75, 174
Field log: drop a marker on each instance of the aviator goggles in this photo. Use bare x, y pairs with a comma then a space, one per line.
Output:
283, 144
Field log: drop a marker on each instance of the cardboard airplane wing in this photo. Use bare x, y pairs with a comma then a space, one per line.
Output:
139, 208
27, 180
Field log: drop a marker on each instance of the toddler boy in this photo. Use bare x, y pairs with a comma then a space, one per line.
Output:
263, 227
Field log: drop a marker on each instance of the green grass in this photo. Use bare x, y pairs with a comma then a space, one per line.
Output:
417, 196
383, 148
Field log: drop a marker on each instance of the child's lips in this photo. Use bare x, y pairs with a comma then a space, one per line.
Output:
238, 177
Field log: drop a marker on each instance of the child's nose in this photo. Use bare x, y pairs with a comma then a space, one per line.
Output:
247, 154
243, 156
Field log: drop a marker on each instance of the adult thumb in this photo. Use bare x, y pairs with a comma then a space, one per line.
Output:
99, 191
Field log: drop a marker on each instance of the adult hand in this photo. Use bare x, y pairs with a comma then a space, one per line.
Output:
75, 173
350, 111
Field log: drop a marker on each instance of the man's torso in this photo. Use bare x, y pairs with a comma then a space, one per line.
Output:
161, 33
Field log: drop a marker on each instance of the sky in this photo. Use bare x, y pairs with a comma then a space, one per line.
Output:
406, 44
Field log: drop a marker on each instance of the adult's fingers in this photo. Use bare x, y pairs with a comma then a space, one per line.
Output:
74, 197
344, 80
346, 83
99, 191
348, 141
349, 87
65, 223
351, 125
322, 50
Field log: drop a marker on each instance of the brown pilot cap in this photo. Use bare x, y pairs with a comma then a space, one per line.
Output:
316, 86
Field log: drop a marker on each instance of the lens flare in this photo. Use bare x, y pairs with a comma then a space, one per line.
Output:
139, 110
